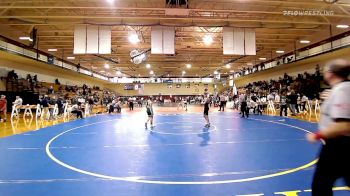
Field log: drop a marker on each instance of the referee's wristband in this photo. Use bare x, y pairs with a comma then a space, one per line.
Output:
319, 136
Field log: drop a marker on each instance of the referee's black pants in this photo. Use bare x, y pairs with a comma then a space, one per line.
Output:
222, 105
333, 164
244, 109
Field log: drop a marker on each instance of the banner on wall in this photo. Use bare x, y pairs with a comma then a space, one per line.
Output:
141, 89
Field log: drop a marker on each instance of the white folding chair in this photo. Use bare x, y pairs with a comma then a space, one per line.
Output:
28, 111
15, 111
65, 110
317, 106
87, 110
38, 111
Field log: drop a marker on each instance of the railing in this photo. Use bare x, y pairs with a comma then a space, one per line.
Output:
23, 50
125, 80
331, 44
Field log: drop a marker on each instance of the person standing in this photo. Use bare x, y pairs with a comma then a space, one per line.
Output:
45, 105
222, 102
206, 112
283, 105
131, 104
334, 126
244, 106
293, 102
150, 113
3, 107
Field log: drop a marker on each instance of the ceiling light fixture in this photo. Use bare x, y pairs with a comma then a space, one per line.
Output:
342, 26
228, 66
208, 39
134, 38
280, 51
118, 72
216, 72
188, 66
151, 72
304, 41
71, 57
148, 66
262, 59
25, 38
107, 66
183, 72
52, 50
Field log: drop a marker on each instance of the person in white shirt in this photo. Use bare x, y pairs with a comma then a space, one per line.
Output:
277, 98
334, 129
304, 100
270, 97
76, 109
222, 102
18, 101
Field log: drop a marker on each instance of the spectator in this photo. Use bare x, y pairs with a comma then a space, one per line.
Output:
304, 100
57, 82
76, 109
50, 90
18, 101
283, 105
3, 107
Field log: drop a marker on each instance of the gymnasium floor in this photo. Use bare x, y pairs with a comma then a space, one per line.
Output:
116, 155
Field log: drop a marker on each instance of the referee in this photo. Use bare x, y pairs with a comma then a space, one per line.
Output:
334, 126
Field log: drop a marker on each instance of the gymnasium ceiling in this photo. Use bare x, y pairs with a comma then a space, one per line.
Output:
55, 20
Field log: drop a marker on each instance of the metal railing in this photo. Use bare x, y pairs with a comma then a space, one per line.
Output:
331, 44
22, 50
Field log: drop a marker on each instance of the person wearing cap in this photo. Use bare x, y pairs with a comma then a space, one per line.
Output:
334, 126
3, 107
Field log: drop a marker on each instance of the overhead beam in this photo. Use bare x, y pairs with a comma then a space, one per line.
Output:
161, 9
191, 19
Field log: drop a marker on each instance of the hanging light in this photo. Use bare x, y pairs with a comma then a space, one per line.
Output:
134, 38
208, 39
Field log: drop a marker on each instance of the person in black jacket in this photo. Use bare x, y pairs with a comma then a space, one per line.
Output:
293, 102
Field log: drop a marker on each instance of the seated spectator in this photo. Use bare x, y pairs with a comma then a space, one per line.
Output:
50, 90
18, 101
76, 109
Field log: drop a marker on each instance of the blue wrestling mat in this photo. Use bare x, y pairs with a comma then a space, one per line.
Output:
116, 155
